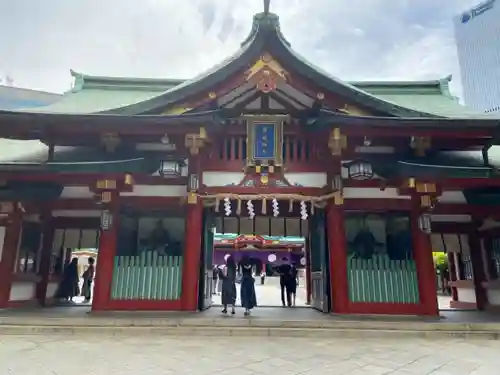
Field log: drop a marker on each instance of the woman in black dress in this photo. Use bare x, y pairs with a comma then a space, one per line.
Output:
248, 298
228, 278
68, 287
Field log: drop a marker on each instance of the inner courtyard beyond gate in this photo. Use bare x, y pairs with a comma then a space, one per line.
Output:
358, 182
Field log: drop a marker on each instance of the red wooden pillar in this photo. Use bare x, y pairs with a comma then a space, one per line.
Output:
422, 253
45, 257
9, 254
105, 261
338, 259
192, 254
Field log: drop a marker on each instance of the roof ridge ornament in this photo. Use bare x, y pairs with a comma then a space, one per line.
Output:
267, 5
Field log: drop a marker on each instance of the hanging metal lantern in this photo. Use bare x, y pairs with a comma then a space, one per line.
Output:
106, 220
170, 168
425, 223
193, 183
360, 170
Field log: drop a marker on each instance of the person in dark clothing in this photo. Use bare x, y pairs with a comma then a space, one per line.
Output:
68, 287
247, 289
88, 277
228, 277
293, 282
215, 277
284, 271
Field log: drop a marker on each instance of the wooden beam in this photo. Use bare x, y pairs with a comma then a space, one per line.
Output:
83, 179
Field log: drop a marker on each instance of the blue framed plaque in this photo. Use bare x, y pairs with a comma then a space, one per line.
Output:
264, 140
264, 143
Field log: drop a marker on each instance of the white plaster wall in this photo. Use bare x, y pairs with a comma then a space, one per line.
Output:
466, 295
373, 193
452, 197
2, 238
156, 191
22, 291
222, 178
493, 297
307, 179
51, 289
76, 192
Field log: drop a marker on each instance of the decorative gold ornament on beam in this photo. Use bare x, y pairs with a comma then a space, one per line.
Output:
110, 141
106, 185
427, 201
412, 182
420, 145
194, 142
106, 197
192, 198
338, 198
337, 142
426, 188
266, 73
129, 179
353, 111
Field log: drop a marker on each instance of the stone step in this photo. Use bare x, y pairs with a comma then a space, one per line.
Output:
233, 326
242, 331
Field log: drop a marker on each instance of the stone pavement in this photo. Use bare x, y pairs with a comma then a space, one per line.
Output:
269, 294
62, 355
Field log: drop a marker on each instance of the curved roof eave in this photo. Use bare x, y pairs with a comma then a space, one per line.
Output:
284, 52
419, 121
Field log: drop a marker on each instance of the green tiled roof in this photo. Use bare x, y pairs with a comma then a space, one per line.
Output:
433, 97
92, 94
96, 94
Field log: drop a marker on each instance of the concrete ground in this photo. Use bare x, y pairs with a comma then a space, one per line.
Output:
62, 355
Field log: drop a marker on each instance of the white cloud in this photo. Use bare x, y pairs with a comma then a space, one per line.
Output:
352, 39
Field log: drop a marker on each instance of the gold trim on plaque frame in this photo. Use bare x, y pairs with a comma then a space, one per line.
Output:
277, 121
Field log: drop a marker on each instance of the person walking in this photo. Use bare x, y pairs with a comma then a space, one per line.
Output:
68, 287
284, 271
88, 278
247, 289
293, 283
215, 277
228, 277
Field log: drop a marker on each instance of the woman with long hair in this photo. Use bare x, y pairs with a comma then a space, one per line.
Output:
228, 277
68, 287
247, 291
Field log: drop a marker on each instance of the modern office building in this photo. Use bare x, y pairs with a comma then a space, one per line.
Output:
477, 33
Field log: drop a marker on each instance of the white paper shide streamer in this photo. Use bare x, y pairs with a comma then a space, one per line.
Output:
303, 211
250, 209
227, 206
276, 208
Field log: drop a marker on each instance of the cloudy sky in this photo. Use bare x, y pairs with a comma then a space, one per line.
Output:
352, 39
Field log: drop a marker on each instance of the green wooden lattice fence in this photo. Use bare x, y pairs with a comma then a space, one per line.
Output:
382, 280
149, 277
